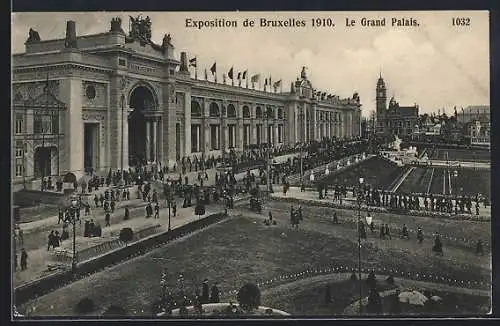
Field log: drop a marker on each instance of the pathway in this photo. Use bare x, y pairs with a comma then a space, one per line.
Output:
40, 260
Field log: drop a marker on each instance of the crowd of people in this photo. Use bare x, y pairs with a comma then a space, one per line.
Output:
380, 198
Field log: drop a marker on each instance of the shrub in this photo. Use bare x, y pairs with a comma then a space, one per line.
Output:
115, 311
249, 296
85, 306
126, 234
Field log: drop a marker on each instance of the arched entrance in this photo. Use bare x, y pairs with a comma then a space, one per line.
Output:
44, 161
140, 132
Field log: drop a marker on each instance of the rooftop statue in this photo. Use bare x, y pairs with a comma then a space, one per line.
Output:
140, 28
116, 25
33, 36
303, 74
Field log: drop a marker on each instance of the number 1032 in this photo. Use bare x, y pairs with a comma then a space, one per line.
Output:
460, 21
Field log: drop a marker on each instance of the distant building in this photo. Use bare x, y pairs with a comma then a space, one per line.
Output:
394, 119
473, 112
479, 132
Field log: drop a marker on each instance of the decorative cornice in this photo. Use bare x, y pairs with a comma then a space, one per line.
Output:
64, 65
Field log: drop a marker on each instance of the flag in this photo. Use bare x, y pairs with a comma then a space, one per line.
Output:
230, 73
276, 85
239, 75
192, 62
244, 75
214, 68
255, 78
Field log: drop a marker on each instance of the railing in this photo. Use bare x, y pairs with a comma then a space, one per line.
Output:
102, 248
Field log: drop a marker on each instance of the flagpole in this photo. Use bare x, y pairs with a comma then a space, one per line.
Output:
196, 68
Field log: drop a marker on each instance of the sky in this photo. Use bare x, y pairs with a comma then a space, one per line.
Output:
436, 65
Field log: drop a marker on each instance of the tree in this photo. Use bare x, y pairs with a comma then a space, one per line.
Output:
126, 234
249, 296
374, 302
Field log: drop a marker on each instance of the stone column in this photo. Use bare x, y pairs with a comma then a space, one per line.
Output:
70, 90
155, 139
168, 108
148, 141
305, 137
253, 128
239, 133
205, 147
126, 112
187, 124
275, 129
295, 125
160, 141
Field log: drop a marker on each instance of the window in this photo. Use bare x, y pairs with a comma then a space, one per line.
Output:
19, 149
122, 62
19, 168
231, 111
45, 124
246, 112
195, 109
19, 123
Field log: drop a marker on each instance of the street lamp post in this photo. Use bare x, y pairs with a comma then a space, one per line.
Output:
75, 205
169, 201
361, 180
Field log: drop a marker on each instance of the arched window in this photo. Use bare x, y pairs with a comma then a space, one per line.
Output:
246, 112
231, 111
214, 110
195, 109
270, 112
280, 113
258, 112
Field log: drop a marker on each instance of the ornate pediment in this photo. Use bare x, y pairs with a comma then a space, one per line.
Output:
46, 99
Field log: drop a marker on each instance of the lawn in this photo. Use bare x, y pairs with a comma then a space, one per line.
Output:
468, 181
310, 299
417, 181
472, 182
244, 250
319, 217
472, 155
386, 173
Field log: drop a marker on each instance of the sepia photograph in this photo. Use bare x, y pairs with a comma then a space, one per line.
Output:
192, 165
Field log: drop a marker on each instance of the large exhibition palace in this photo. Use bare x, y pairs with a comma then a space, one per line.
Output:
109, 100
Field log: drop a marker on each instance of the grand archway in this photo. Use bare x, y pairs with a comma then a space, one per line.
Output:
140, 131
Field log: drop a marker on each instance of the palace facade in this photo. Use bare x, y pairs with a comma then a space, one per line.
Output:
109, 100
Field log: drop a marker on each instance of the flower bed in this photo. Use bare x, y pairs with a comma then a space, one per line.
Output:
221, 310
